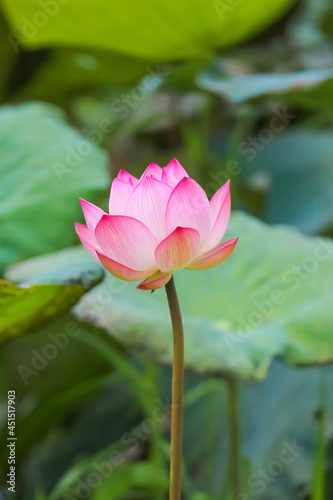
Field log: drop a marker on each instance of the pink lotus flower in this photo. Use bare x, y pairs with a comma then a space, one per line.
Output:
157, 224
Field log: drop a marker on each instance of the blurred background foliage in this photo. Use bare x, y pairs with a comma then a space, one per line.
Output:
238, 89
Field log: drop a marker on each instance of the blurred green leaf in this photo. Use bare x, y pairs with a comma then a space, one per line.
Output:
297, 166
164, 31
246, 87
24, 307
70, 266
45, 167
27, 307
270, 299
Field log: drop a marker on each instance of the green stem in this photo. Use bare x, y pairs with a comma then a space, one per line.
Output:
177, 393
234, 443
319, 465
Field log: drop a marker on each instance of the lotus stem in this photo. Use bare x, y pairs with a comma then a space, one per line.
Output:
177, 393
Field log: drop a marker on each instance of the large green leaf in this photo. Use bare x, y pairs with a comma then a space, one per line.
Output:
271, 298
151, 30
64, 267
25, 306
45, 166
300, 187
